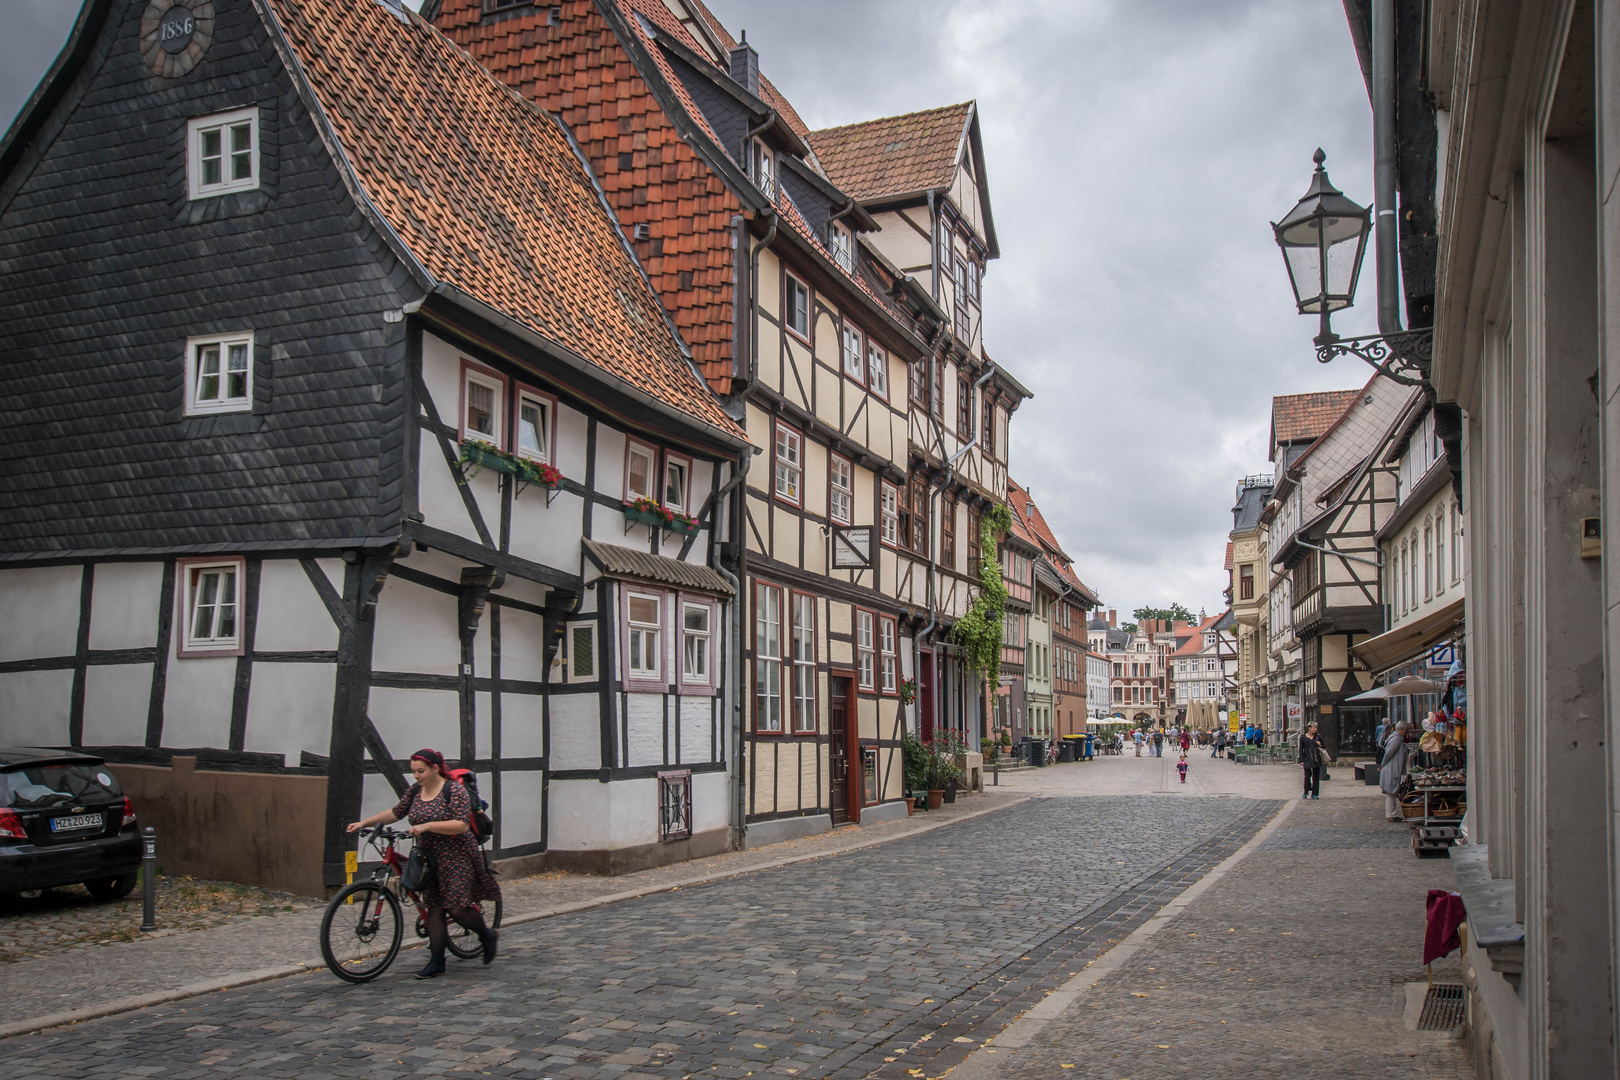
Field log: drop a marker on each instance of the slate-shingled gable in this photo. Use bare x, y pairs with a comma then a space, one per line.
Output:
103, 276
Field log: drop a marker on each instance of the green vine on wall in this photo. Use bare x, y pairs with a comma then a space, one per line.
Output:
979, 632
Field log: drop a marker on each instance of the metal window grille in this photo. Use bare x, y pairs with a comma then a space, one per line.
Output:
674, 805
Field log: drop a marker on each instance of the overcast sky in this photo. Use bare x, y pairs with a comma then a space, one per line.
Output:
1136, 150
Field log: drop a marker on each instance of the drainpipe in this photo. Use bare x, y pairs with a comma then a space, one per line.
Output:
1386, 223
950, 466
733, 683
933, 570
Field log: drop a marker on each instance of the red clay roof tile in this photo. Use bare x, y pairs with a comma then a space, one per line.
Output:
895, 155
1296, 417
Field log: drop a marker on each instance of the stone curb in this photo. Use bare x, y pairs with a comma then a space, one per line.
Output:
248, 978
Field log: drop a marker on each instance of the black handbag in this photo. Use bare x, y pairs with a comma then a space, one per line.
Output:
418, 872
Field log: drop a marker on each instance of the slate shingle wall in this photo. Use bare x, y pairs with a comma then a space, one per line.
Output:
106, 269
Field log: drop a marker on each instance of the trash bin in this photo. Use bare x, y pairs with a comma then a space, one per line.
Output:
1037, 751
1091, 746
1066, 751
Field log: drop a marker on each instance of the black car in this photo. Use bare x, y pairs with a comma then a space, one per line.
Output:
65, 820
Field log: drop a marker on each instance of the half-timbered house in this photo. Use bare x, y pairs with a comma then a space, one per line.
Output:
1333, 500
922, 179
340, 420
808, 340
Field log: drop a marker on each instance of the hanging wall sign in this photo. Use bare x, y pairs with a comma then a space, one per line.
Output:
852, 547
175, 34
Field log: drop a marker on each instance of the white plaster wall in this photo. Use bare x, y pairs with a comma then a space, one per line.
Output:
579, 817
124, 607
290, 709
375, 796
632, 812
292, 617
116, 701
522, 645
572, 430
646, 723
546, 535
696, 722
408, 720
609, 468
441, 373
576, 732
709, 807
197, 698
416, 630
522, 726
39, 612
483, 731
521, 799
34, 707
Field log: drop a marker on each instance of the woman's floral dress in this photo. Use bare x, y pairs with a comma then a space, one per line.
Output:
460, 877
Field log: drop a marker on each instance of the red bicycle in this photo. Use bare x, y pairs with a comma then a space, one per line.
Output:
362, 927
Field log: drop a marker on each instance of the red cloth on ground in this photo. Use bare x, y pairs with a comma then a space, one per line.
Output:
1445, 914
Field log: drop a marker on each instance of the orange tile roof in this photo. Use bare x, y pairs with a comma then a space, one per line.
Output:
581, 72
1298, 417
895, 155
486, 191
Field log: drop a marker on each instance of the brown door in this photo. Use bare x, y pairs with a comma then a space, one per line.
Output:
838, 752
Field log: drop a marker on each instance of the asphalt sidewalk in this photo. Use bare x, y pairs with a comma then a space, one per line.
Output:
48, 992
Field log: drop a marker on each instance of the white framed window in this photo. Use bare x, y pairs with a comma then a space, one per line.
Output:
888, 655
211, 600
677, 481
841, 242
768, 659
483, 394
1456, 563
763, 171
804, 664
219, 374
877, 367
222, 153
889, 514
796, 306
535, 420
840, 489
640, 472
1428, 561
1440, 551
696, 642
789, 463
854, 355
643, 621
580, 663
865, 648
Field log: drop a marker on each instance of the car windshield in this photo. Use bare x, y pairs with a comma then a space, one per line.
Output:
54, 785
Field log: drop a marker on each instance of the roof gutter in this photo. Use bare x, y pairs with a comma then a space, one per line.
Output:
1384, 178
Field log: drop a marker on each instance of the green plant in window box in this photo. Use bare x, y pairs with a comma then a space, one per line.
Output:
645, 511
908, 691
477, 456
538, 472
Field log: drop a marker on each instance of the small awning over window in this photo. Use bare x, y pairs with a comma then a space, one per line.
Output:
1405, 643
622, 562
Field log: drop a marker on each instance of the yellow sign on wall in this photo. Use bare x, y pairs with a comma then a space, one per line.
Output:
1232, 720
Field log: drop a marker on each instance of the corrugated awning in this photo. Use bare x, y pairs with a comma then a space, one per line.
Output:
1397, 646
622, 562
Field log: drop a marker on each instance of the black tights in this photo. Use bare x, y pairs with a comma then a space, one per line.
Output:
439, 930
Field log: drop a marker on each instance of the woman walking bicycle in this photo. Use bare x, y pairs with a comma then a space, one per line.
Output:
440, 813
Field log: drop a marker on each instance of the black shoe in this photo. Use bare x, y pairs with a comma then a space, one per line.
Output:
489, 939
434, 969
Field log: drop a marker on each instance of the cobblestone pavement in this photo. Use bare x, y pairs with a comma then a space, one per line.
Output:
187, 952
57, 920
915, 950
1292, 965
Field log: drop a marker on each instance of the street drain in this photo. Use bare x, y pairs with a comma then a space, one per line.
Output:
1442, 1008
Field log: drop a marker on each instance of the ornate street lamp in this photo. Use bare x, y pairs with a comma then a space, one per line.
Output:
1323, 239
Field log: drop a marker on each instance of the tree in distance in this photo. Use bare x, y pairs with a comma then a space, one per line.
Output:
1173, 613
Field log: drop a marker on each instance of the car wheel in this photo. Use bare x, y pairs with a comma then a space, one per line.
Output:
113, 888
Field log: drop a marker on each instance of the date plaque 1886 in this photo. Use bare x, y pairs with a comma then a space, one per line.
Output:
175, 34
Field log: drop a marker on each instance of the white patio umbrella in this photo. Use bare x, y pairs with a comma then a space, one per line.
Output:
1403, 687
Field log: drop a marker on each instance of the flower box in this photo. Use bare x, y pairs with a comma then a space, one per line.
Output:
637, 516
647, 512
483, 456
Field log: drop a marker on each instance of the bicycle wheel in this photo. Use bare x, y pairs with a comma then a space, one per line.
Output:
360, 932
463, 942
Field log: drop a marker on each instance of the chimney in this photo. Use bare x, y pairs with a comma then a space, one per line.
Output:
1112, 614
745, 66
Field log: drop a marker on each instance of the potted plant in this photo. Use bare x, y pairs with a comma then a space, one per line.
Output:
908, 691
477, 456
915, 757
645, 511
538, 472
943, 769
988, 748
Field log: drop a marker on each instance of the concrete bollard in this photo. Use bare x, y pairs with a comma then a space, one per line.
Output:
148, 879
995, 771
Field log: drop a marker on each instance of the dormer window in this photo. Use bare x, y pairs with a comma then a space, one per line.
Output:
222, 153
842, 245
762, 169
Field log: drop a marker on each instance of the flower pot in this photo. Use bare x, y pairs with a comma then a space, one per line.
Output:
645, 517
482, 456
935, 797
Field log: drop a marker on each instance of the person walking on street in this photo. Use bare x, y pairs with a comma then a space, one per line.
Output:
1312, 756
1397, 752
1136, 737
440, 811
1220, 744
1158, 742
1186, 742
1181, 766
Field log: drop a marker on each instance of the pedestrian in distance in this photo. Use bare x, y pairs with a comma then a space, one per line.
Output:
1393, 764
1312, 757
1181, 766
1158, 742
1220, 744
1186, 742
1136, 737
440, 810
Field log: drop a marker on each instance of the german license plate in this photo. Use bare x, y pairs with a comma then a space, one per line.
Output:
76, 823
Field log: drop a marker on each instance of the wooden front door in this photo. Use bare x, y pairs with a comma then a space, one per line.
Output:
838, 771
